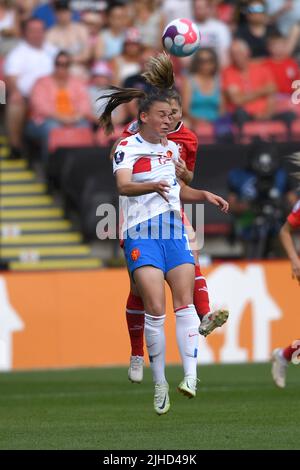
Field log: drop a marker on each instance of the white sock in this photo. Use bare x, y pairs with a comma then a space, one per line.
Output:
282, 358
187, 324
156, 346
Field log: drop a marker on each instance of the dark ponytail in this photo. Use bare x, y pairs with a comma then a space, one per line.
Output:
116, 97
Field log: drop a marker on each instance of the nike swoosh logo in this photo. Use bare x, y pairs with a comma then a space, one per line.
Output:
164, 403
190, 336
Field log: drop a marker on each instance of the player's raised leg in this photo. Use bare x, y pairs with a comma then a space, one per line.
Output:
209, 320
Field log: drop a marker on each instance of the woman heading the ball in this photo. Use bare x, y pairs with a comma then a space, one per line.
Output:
155, 242
187, 144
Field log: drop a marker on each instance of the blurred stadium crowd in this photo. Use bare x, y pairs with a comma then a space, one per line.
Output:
58, 56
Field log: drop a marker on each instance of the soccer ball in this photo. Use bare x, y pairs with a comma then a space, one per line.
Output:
181, 37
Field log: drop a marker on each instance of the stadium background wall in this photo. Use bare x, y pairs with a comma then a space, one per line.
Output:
75, 319
85, 174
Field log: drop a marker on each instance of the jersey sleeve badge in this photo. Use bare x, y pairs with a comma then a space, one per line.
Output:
119, 157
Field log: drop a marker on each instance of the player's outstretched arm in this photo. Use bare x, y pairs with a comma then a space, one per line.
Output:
188, 194
127, 187
285, 236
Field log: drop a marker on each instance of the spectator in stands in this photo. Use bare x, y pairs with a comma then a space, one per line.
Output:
70, 36
129, 62
173, 9
224, 11
201, 90
137, 81
150, 21
94, 21
58, 100
9, 27
31, 59
248, 85
285, 71
80, 6
46, 12
294, 42
285, 14
111, 39
214, 33
240, 13
25, 8
101, 79
256, 30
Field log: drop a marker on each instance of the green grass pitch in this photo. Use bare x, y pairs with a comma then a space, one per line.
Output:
237, 407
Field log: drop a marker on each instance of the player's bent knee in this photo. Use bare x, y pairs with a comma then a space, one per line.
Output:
156, 309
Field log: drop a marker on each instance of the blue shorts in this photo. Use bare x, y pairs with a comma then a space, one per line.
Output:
160, 242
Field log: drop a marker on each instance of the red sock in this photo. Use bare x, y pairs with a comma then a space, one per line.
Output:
135, 316
201, 298
289, 351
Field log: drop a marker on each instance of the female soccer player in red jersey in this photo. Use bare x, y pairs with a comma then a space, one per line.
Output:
187, 143
281, 357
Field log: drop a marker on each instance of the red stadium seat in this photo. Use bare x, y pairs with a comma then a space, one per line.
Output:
296, 130
266, 130
70, 137
205, 133
284, 103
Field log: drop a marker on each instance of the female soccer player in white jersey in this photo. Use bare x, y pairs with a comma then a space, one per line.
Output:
187, 144
281, 357
155, 243
158, 68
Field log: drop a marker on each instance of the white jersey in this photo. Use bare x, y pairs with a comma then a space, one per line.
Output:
148, 162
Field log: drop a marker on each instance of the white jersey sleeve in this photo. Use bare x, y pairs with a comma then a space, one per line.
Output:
124, 156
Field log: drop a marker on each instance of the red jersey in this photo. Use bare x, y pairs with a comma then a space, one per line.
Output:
284, 72
256, 76
294, 217
186, 141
